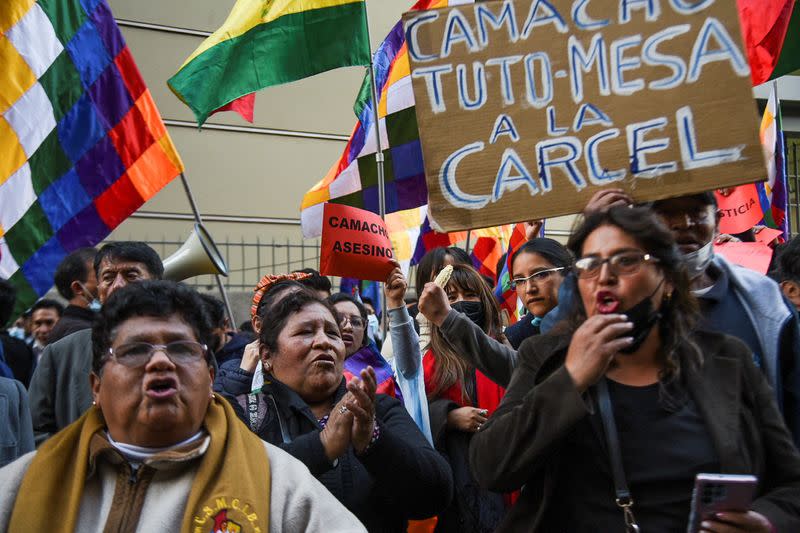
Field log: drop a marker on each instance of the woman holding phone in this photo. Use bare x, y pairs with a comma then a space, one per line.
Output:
631, 382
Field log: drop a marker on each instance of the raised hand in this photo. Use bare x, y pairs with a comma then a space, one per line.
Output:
336, 437
395, 288
532, 228
606, 199
251, 356
362, 405
594, 345
433, 303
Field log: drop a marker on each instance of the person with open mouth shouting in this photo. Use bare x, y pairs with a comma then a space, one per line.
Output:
607, 422
361, 445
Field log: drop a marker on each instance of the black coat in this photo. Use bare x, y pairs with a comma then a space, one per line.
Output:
400, 477
520, 331
19, 358
73, 319
520, 444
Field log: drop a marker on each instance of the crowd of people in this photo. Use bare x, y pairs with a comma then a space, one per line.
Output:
642, 359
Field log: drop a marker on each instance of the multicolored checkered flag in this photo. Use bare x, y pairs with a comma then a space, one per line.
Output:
82, 144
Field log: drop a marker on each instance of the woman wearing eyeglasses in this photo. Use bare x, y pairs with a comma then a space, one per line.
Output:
537, 269
632, 365
158, 451
360, 351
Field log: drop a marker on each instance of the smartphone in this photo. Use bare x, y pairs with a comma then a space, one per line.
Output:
715, 493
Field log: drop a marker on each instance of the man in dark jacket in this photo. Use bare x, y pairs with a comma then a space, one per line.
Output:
77, 283
45, 314
738, 301
18, 355
59, 391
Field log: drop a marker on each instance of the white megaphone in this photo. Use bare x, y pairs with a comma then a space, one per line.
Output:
198, 255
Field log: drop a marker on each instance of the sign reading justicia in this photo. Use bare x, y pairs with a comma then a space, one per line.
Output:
528, 107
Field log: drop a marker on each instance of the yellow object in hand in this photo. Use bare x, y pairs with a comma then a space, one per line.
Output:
444, 276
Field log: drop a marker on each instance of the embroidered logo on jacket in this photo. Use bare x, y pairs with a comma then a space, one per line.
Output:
226, 515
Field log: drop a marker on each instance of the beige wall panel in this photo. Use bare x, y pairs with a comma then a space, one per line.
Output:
208, 15
245, 174
322, 103
203, 15
178, 230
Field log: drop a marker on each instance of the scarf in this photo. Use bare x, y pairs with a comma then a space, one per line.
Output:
228, 470
370, 356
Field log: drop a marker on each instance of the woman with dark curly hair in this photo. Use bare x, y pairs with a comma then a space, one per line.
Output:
631, 364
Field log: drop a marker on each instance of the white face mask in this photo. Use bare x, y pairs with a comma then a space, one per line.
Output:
94, 303
374, 325
17, 332
697, 261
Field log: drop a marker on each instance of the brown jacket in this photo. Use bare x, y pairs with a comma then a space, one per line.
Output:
519, 445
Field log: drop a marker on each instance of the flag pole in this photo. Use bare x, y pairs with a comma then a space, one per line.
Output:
782, 172
779, 129
379, 160
217, 277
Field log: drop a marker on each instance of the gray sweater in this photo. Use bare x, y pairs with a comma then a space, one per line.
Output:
496, 360
60, 392
16, 432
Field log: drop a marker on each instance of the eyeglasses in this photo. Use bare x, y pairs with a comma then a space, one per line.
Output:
136, 354
536, 277
355, 321
621, 264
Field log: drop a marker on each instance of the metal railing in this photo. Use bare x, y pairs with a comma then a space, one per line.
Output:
249, 261
793, 177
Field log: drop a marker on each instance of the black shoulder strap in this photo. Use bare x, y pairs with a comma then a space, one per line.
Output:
622, 493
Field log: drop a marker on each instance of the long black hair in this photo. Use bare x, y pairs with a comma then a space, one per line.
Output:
451, 368
679, 312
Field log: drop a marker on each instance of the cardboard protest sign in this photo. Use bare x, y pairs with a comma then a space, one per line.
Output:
739, 209
527, 107
355, 244
753, 255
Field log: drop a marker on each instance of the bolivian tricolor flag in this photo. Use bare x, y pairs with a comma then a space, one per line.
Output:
269, 42
771, 30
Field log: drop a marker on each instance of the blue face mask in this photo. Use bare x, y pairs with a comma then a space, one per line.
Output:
94, 303
17, 332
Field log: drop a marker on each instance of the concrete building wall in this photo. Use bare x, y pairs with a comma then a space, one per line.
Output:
249, 181
260, 171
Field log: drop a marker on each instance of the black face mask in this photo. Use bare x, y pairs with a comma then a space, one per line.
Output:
473, 310
644, 317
